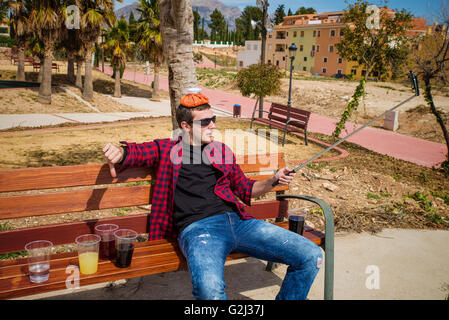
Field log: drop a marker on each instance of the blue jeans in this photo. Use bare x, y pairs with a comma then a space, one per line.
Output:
207, 243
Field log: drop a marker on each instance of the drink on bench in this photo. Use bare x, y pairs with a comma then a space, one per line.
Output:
38, 253
296, 219
88, 245
107, 244
124, 245
124, 255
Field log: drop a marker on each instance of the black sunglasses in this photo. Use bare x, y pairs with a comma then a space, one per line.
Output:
206, 121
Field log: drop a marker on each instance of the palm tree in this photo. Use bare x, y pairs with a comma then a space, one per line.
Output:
118, 47
149, 39
20, 32
46, 20
95, 14
176, 17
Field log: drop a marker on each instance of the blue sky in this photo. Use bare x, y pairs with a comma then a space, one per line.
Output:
419, 8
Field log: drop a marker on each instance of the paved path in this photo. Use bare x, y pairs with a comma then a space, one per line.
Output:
418, 151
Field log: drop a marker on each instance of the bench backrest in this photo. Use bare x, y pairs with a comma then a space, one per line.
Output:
281, 113
54, 190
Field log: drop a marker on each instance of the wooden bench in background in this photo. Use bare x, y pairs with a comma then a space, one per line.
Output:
288, 119
49, 190
27, 60
37, 66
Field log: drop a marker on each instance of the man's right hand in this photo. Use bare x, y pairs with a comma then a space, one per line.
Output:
114, 155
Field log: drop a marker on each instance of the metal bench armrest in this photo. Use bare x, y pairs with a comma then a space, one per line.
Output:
328, 241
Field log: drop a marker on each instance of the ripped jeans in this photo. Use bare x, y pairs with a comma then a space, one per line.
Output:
207, 243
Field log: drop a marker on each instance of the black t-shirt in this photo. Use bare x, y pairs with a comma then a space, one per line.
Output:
194, 193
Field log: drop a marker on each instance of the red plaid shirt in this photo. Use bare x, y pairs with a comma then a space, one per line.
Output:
165, 155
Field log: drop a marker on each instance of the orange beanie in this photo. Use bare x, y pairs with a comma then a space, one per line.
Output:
194, 99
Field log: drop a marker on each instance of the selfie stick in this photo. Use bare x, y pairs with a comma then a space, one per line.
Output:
414, 81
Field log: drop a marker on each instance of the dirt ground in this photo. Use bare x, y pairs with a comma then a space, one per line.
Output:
367, 191
25, 100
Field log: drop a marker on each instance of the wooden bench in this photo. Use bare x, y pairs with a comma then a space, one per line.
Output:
288, 119
37, 66
44, 191
27, 60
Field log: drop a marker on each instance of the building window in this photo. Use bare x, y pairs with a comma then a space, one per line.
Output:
301, 48
277, 63
325, 59
270, 47
317, 48
354, 71
255, 47
332, 33
269, 61
314, 33
302, 34
319, 33
248, 47
294, 34
324, 70
340, 60
341, 32
305, 58
304, 68
283, 58
339, 71
331, 48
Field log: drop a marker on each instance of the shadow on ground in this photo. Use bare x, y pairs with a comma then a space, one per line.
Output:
245, 280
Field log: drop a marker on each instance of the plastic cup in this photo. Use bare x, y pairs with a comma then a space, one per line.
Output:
39, 260
107, 244
124, 246
296, 219
88, 245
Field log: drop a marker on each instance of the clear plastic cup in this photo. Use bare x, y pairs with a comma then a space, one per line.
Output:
107, 244
88, 245
124, 246
296, 220
38, 253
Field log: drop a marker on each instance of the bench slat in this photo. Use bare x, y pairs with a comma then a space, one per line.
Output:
98, 174
66, 176
74, 201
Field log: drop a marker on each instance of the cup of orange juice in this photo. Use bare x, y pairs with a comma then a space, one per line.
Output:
88, 245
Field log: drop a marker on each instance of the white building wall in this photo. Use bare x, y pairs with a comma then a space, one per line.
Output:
251, 54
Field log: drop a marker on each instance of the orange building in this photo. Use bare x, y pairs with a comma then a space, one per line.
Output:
315, 36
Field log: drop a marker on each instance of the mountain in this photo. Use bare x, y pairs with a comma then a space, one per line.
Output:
204, 7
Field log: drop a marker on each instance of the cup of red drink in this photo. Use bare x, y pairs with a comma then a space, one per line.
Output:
124, 246
296, 220
107, 243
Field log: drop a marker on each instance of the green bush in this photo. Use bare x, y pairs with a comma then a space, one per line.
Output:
260, 80
6, 41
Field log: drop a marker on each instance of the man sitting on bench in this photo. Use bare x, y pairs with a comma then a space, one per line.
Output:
195, 197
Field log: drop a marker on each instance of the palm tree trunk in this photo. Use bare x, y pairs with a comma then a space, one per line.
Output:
177, 38
45, 87
20, 76
70, 68
117, 92
88, 90
79, 78
155, 93
41, 69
